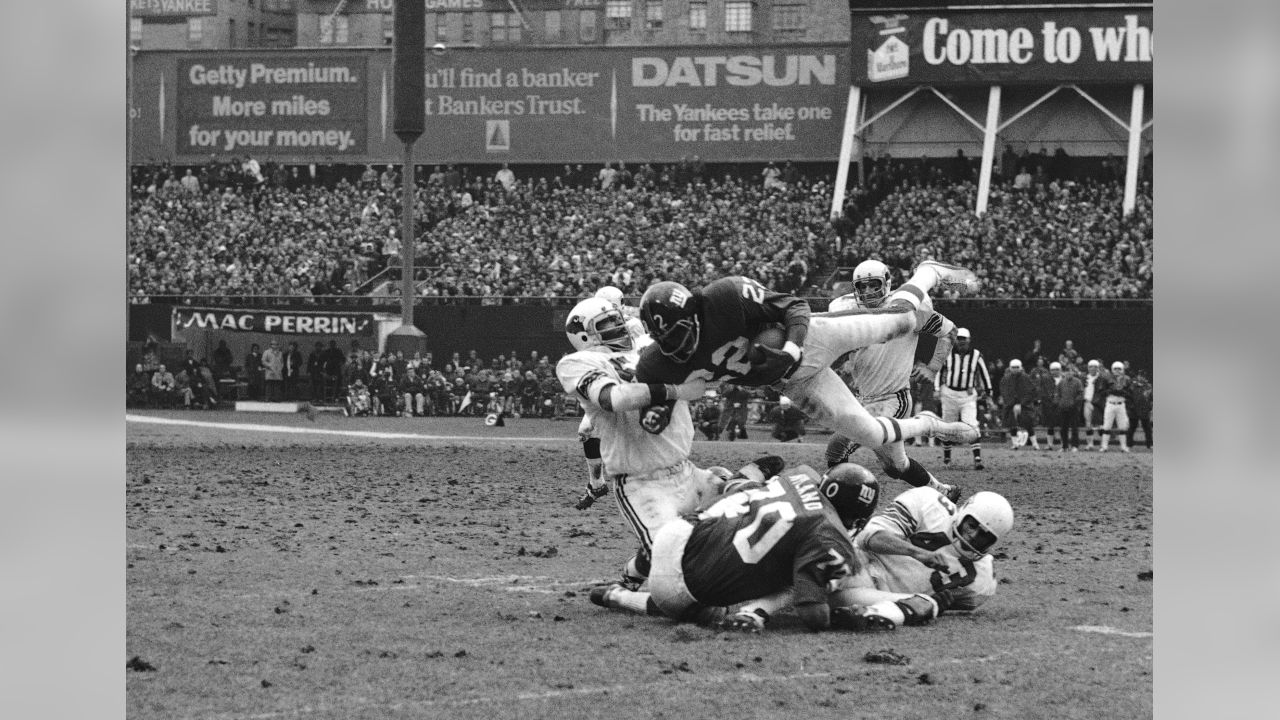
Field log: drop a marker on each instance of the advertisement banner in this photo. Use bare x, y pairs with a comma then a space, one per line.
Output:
267, 102
530, 105
363, 7
172, 8
285, 322
1045, 45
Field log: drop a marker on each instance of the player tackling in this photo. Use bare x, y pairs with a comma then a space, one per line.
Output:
653, 479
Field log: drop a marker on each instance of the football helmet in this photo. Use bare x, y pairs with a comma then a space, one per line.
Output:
669, 312
871, 283
611, 294
853, 491
597, 323
980, 523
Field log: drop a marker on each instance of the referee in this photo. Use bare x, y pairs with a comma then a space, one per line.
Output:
963, 378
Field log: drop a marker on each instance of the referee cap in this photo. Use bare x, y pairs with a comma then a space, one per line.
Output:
962, 332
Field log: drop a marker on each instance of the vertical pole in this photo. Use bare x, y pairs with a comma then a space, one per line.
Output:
407, 239
1135, 148
988, 148
862, 147
848, 140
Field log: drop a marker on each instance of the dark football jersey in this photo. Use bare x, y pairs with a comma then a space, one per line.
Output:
756, 542
732, 310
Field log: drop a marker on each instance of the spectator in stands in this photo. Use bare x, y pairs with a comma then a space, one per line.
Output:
530, 394
505, 177
254, 372
386, 395
164, 388
138, 393
334, 364
273, 371
787, 421
291, 371
315, 372
1034, 357
1068, 357
413, 394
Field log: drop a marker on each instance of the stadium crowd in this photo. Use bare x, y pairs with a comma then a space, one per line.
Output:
229, 228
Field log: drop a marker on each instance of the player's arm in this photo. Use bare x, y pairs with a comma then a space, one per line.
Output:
882, 541
944, 329
761, 306
596, 386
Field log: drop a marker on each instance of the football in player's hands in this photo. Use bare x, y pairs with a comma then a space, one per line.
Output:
772, 336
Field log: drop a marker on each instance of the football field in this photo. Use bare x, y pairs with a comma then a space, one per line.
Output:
436, 568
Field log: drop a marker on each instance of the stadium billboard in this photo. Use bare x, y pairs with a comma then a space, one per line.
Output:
1044, 45
273, 322
531, 105
172, 8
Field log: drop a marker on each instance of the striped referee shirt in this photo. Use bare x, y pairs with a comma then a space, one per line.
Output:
965, 371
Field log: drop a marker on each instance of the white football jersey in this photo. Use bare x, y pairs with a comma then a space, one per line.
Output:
923, 517
625, 447
880, 371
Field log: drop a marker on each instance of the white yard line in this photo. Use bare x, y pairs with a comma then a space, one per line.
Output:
258, 427
1107, 630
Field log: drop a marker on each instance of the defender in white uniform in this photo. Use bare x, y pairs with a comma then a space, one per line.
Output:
596, 486
653, 479
882, 375
922, 555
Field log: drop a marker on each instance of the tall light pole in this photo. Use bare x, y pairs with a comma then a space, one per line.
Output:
409, 94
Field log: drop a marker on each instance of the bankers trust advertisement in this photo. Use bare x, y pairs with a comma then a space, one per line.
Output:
916, 47
725, 103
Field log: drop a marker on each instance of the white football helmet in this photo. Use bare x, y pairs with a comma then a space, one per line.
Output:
611, 294
871, 283
595, 322
980, 523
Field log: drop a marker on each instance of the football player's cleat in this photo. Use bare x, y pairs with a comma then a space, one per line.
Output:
602, 595
980, 523
953, 432
853, 491
871, 283
597, 323
669, 312
951, 277
865, 619
750, 621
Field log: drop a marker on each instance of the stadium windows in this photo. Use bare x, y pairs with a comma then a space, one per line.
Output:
389, 29
195, 31
618, 14
135, 30
698, 15
587, 25
468, 28
335, 30
552, 24
504, 27
788, 17
737, 16
653, 14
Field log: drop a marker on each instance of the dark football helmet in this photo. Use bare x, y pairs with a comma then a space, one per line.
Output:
853, 491
669, 312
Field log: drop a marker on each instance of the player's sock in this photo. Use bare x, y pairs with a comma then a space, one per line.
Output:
839, 448
977, 453
637, 601
946, 453
914, 475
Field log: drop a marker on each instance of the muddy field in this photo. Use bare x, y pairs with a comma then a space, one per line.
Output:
435, 568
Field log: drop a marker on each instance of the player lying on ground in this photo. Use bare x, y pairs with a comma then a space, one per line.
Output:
920, 557
709, 333
653, 480
788, 534
882, 374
